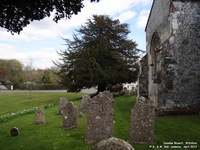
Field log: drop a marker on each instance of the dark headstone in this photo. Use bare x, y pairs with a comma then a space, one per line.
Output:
14, 131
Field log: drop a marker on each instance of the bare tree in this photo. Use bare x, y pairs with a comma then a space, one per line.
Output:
29, 76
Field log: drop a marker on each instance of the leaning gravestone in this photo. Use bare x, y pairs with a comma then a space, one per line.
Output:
39, 116
84, 102
14, 131
62, 104
113, 144
70, 116
142, 121
100, 117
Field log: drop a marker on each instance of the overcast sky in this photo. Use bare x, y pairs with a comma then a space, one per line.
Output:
40, 40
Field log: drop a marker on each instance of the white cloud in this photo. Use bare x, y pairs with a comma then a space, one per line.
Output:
7, 51
43, 30
47, 28
126, 15
142, 19
8, 37
145, 2
41, 58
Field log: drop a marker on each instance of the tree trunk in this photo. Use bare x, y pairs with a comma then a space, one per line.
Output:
101, 87
30, 96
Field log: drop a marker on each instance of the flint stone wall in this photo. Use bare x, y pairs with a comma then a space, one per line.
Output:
178, 28
100, 117
70, 116
142, 121
143, 78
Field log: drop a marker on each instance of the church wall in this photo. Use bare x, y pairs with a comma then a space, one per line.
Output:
143, 78
185, 45
177, 82
158, 23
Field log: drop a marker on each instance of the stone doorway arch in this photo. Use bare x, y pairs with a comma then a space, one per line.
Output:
155, 55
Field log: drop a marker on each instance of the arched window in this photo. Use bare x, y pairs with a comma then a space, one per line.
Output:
155, 53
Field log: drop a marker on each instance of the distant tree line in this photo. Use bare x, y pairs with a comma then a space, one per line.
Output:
13, 72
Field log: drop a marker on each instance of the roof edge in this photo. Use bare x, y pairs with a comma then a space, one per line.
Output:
149, 15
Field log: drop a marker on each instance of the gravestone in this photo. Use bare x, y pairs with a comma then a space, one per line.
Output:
113, 144
70, 116
39, 116
80, 115
14, 131
62, 104
100, 117
84, 102
142, 121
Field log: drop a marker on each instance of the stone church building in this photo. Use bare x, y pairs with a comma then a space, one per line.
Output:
170, 71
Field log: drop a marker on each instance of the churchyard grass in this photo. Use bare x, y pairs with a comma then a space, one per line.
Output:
11, 102
51, 136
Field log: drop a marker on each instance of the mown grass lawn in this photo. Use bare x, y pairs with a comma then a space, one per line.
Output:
11, 102
51, 136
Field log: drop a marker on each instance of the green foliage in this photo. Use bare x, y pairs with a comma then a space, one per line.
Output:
115, 88
15, 15
44, 79
11, 72
99, 54
44, 75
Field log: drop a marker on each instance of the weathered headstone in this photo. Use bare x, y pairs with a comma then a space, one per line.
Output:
70, 116
142, 121
84, 102
62, 104
80, 115
100, 117
39, 116
14, 131
113, 144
